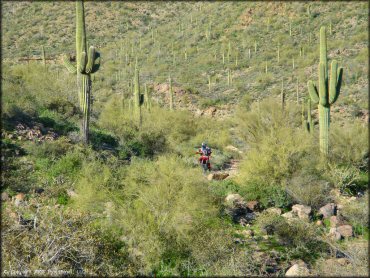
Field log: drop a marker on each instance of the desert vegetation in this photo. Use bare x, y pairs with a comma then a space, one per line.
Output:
100, 175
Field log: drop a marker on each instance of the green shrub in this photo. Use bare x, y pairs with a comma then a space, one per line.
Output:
64, 243
346, 178
357, 212
347, 148
309, 189
300, 237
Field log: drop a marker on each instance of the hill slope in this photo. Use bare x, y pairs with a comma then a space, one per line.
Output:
160, 33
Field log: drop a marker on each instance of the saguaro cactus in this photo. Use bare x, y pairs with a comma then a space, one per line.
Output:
282, 94
209, 83
327, 91
87, 63
138, 98
309, 116
229, 77
171, 92
43, 55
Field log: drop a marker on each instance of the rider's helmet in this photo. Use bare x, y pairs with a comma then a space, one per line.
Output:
203, 144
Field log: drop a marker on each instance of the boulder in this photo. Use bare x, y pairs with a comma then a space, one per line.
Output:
288, 215
303, 212
345, 230
252, 205
234, 198
334, 234
71, 193
328, 210
238, 210
248, 233
333, 262
274, 211
39, 190
334, 221
298, 269
4, 196
319, 223
217, 176
233, 149
19, 199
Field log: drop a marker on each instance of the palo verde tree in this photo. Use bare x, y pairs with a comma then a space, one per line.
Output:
327, 91
87, 63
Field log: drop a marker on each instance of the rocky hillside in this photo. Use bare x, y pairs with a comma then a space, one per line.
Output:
242, 37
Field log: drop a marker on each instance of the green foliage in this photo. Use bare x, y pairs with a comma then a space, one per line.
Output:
63, 240
301, 238
357, 212
347, 149
346, 179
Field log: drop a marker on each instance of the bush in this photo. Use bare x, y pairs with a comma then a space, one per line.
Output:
346, 178
59, 243
349, 149
357, 213
309, 189
301, 238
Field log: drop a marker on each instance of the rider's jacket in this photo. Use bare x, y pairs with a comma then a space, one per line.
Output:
205, 151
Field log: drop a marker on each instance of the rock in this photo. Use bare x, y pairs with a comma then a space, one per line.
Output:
335, 262
39, 190
233, 149
210, 112
217, 176
248, 233
343, 261
71, 193
238, 210
266, 237
234, 198
288, 215
252, 205
4, 196
319, 223
345, 230
334, 234
339, 207
19, 199
298, 269
238, 241
328, 210
274, 210
303, 212
334, 221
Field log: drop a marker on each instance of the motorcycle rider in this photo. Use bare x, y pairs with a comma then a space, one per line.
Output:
205, 153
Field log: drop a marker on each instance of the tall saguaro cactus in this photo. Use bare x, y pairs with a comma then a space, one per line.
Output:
309, 116
43, 56
138, 99
87, 63
327, 91
171, 92
282, 94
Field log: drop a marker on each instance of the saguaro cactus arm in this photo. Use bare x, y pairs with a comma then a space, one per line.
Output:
312, 90
90, 60
71, 68
336, 75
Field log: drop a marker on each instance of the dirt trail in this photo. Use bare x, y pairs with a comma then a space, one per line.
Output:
231, 167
